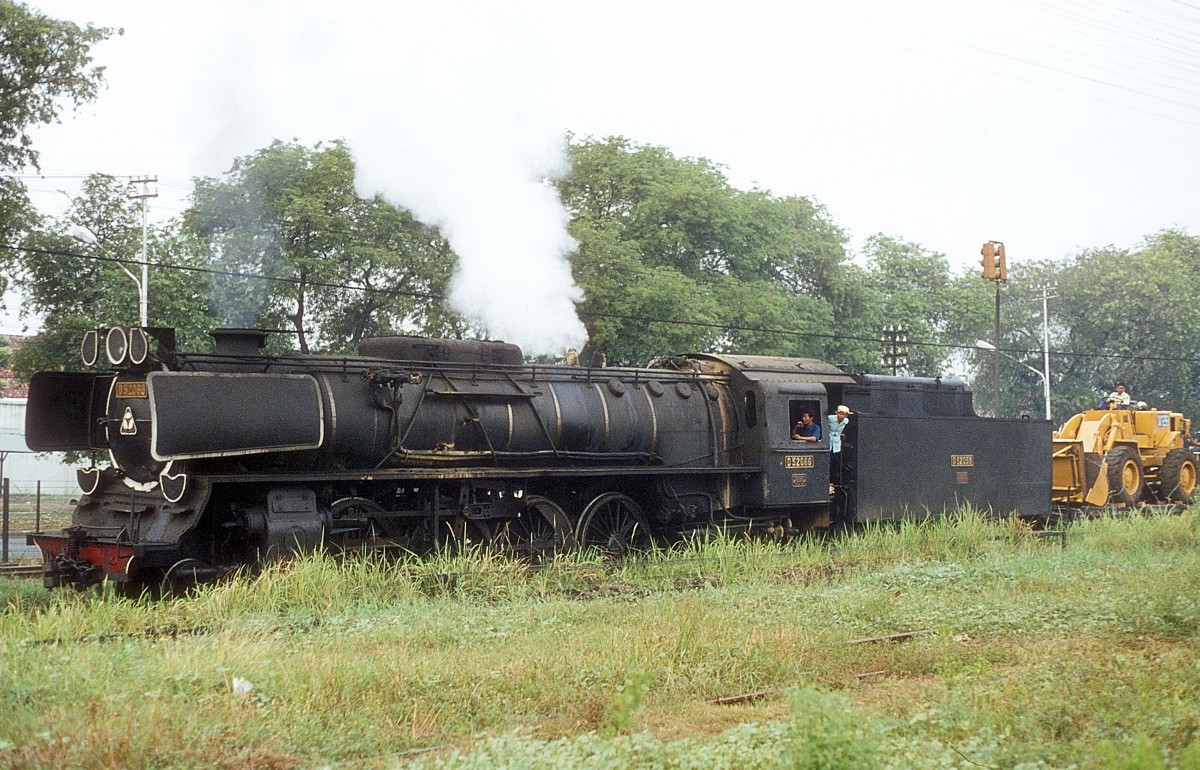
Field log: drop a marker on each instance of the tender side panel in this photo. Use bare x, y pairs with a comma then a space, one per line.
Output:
65, 411
216, 415
911, 466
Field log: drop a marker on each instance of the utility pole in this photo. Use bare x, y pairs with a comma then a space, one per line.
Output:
1046, 297
995, 268
144, 294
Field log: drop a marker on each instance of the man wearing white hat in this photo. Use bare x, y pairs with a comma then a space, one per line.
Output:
837, 423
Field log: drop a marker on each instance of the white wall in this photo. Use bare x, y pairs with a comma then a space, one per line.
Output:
23, 468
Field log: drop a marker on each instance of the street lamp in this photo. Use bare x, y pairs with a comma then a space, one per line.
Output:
84, 235
1045, 375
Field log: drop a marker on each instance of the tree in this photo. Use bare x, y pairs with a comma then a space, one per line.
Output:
1117, 314
16, 217
78, 287
914, 290
1133, 316
299, 248
672, 258
394, 278
45, 66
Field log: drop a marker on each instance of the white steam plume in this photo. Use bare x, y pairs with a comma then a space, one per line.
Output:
467, 145
450, 111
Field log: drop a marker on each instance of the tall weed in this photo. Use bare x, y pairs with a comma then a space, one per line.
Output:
621, 713
826, 734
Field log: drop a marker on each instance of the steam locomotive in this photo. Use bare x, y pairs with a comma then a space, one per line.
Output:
226, 459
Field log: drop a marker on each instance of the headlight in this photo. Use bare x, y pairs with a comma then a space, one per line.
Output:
116, 345
89, 350
139, 345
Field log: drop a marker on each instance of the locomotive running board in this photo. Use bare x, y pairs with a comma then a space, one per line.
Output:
478, 472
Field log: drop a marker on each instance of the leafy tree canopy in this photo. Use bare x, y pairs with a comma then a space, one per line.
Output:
671, 259
666, 238
1115, 314
913, 290
299, 248
44, 68
46, 65
79, 287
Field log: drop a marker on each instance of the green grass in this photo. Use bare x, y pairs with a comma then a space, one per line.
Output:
1035, 656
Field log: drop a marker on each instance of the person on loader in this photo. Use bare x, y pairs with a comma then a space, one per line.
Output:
1118, 399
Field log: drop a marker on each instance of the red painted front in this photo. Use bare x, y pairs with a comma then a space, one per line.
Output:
112, 557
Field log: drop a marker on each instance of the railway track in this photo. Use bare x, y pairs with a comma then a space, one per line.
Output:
21, 570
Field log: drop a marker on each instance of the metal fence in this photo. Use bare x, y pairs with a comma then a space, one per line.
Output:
31, 507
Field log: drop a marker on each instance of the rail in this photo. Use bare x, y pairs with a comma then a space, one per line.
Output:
20, 570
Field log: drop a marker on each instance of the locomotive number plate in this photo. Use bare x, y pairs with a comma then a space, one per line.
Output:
962, 461
132, 390
798, 461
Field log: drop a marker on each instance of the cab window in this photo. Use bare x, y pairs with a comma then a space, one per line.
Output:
797, 408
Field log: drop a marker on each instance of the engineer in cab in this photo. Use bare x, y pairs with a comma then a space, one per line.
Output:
807, 429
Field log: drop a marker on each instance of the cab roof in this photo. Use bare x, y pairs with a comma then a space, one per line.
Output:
777, 368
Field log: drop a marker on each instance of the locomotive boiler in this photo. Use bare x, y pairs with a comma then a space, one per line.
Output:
225, 459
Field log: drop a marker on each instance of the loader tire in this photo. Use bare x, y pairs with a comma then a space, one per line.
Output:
1177, 476
1126, 482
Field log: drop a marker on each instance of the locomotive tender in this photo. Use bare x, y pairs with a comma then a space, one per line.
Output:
226, 459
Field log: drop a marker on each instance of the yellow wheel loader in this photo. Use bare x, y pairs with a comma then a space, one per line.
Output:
1122, 458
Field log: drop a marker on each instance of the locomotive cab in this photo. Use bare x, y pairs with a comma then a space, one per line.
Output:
795, 472
794, 478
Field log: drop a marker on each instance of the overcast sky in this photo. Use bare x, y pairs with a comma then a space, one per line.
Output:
1052, 126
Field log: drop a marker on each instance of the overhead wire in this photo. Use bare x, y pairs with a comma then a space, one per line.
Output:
905, 23
1146, 21
1186, 4
219, 272
1123, 68
1127, 26
1075, 32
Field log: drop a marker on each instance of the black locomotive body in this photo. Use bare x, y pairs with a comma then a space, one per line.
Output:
226, 459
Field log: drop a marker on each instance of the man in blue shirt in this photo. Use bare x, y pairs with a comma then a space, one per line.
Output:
806, 429
837, 423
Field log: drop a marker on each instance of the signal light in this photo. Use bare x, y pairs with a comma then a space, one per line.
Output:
995, 266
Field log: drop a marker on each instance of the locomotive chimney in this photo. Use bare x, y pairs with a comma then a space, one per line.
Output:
239, 342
